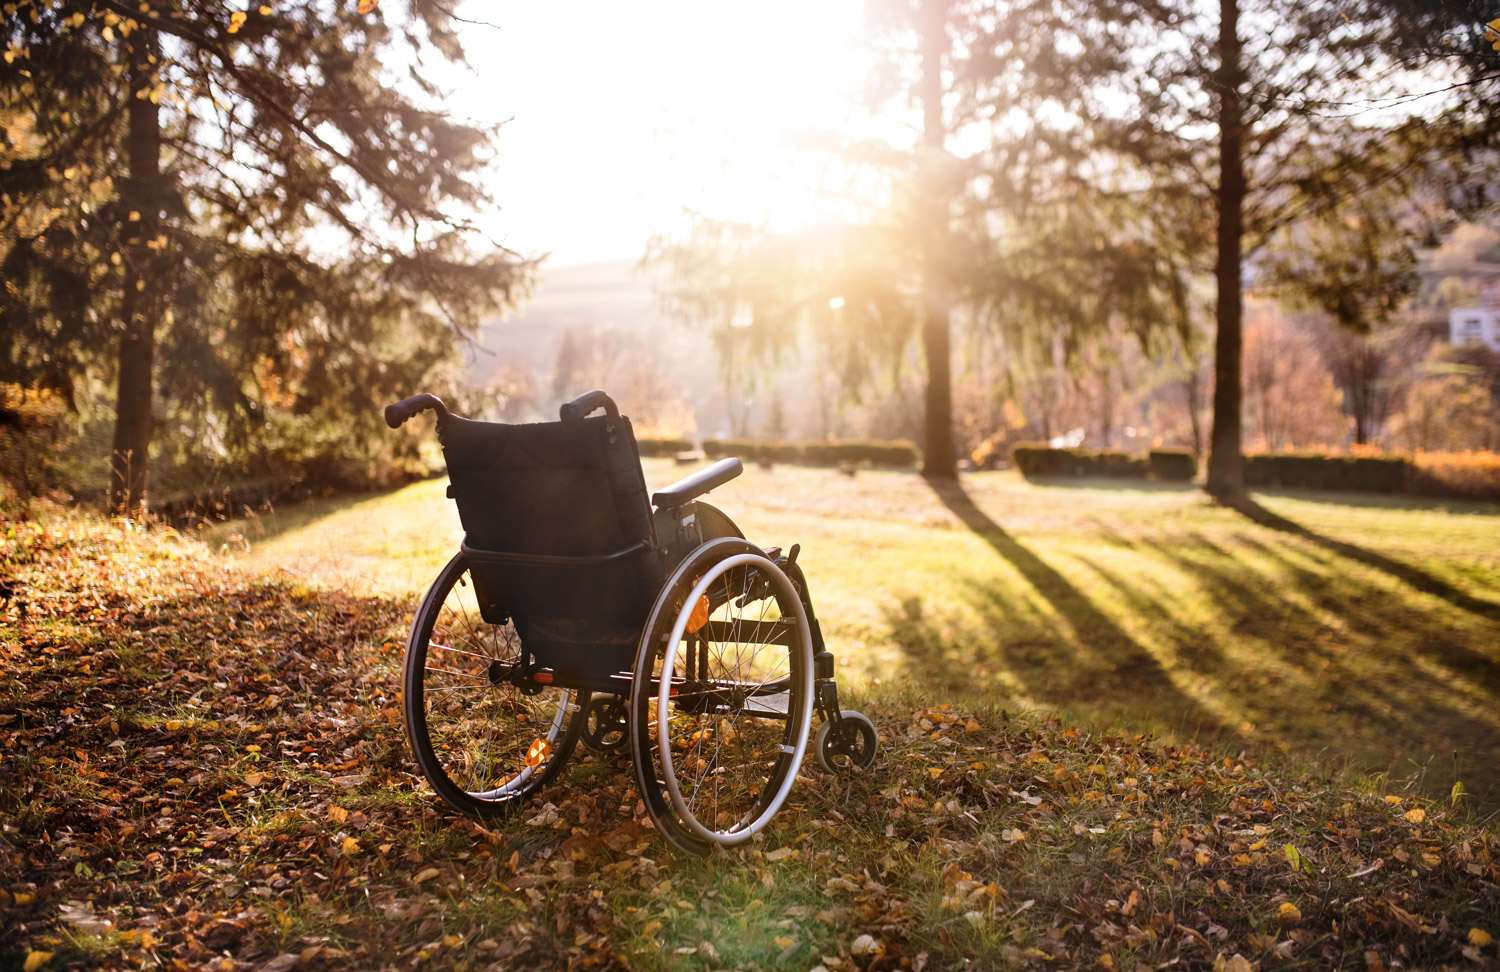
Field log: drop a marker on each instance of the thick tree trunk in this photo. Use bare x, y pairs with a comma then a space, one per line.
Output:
1226, 469
939, 460
140, 199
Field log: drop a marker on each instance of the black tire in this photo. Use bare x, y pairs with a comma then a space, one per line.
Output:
697, 796
482, 742
606, 723
853, 744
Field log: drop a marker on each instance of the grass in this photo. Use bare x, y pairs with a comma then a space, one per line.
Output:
1352, 629
205, 753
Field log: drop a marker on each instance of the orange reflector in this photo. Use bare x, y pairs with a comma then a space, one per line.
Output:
699, 617
537, 752
543, 677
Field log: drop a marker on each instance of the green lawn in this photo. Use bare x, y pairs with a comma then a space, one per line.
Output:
203, 764
1340, 627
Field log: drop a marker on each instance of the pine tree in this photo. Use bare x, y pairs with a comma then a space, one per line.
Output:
254, 220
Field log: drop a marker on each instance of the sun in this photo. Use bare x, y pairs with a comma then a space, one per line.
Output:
620, 118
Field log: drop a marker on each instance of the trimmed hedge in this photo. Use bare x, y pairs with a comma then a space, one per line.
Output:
1164, 465
1467, 475
1035, 459
1172, 465
833, 453
656, 447
1377, 474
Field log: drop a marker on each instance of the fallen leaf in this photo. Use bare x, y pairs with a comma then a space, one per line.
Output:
350, 847
1233, 963
1288, 913
426, 875
1415, 815
35, 960
1479, 938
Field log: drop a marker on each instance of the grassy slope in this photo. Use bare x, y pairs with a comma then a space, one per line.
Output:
1346, 628
204, 768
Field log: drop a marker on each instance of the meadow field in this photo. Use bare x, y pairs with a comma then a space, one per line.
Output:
1344, 628
1119, 727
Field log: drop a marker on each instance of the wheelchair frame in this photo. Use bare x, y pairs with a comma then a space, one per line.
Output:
689, 644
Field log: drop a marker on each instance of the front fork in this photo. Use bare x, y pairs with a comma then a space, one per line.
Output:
825, 689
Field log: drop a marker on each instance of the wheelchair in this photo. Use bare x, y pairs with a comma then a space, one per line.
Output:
576, 610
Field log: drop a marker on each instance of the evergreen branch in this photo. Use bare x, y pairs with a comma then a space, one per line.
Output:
254, 92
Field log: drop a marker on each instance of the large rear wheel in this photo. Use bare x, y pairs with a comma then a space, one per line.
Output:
481, 740
721, 699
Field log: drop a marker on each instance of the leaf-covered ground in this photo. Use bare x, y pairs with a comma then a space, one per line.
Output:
204, 768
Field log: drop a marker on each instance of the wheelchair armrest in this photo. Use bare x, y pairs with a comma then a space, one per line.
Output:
700, 482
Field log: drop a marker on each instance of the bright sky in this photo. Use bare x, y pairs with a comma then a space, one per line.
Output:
621, 115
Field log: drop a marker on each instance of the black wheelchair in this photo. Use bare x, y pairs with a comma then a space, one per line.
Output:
575, 609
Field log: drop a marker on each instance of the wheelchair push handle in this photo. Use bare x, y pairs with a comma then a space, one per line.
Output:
397, 414
586, 403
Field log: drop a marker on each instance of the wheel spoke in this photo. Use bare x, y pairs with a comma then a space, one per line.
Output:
472, 734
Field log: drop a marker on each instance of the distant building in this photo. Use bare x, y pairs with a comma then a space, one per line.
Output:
1475, 325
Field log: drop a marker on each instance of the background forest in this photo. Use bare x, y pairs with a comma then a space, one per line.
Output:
229, 235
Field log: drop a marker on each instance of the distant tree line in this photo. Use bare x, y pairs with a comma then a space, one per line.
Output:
1087, 175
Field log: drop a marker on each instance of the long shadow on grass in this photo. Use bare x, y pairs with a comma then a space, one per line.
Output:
1338, 664
1117, 672
1415, 576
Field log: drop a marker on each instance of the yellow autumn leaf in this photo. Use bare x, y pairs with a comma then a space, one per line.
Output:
21, 898
35, 960
338, 814
1479, 938
1288, 913
1415, 815
254, 779
368, 6
237, 20
173, 725
784, 941
426, 874
350, 847
76, 21
265, 11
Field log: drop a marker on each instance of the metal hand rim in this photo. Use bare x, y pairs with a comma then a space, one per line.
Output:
664, 694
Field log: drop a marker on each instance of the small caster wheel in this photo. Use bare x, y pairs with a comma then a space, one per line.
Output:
849, 743
606, 726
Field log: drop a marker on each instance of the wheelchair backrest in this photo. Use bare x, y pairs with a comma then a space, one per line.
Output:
556, 518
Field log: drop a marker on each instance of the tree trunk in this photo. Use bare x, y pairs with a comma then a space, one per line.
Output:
140, 198
1226, 469
939, 460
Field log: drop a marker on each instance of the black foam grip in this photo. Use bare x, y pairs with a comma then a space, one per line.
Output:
397, 414
586, 403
